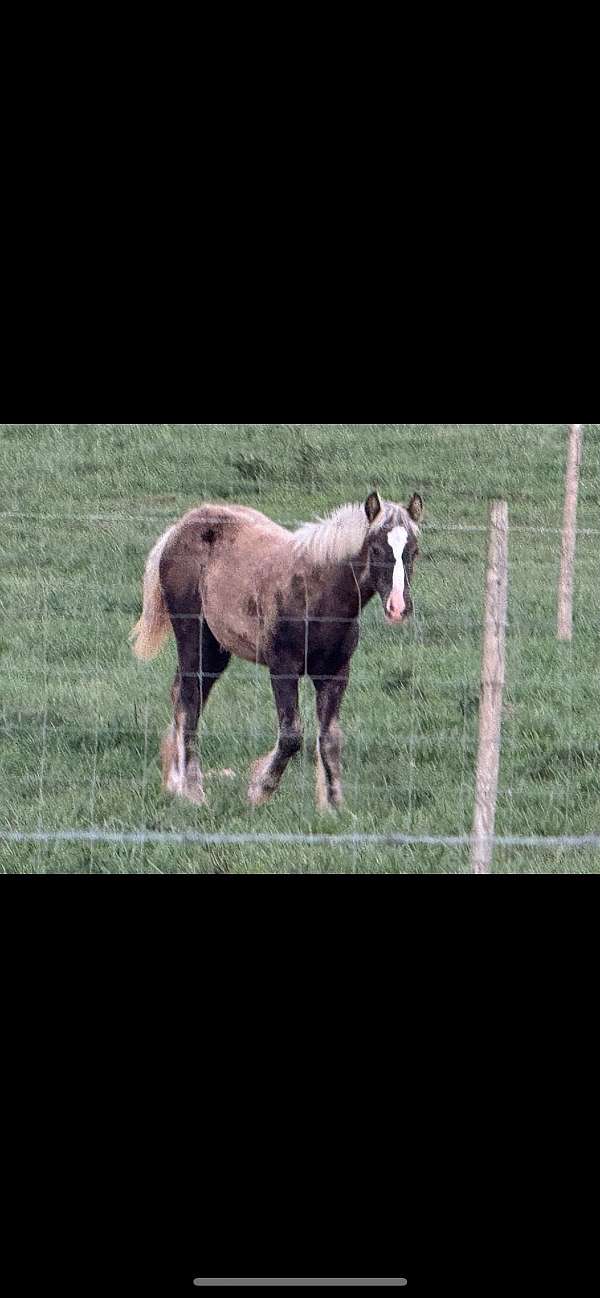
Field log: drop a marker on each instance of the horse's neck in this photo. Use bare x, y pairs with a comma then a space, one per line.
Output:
367, 589
357, 578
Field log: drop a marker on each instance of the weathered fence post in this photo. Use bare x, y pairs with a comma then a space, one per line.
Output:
493, 669
569, 537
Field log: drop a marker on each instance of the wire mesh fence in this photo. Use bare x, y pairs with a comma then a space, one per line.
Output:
80, 725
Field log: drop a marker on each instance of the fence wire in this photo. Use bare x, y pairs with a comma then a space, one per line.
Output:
464, 684
200, 839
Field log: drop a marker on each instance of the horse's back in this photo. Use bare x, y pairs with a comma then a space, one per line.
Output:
206, 528
209, 524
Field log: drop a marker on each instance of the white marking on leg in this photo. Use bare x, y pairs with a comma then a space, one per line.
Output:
177, 772
192, 784
322, 792
170, 752
257, 792
173, 783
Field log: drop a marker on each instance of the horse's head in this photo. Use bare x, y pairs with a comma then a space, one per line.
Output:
392, 548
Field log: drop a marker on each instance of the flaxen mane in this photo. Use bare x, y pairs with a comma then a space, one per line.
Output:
343, 533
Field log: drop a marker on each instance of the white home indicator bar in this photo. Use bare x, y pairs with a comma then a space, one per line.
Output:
365, 1284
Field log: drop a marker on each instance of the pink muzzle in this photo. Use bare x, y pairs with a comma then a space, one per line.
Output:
396, 606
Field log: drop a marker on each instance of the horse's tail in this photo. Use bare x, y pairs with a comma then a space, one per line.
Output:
150, 633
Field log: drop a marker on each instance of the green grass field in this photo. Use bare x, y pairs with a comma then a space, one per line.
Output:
81, 719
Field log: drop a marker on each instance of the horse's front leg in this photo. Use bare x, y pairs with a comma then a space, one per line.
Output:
268, 770
330, 693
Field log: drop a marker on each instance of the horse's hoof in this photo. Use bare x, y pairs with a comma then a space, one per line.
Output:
194, 793
329, 808
258, 792
192, 785
258, 795
329, 800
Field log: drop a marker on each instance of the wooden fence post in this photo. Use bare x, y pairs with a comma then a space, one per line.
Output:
493, 670
569, 537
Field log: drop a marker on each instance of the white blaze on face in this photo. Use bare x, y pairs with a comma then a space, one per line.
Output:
396, 605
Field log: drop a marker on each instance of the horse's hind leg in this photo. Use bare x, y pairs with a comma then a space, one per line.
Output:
201, 664
268, 770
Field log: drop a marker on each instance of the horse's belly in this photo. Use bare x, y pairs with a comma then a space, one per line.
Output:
239, 638
238, 596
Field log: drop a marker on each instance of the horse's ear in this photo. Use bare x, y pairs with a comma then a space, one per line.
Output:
416, 508
373, 506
